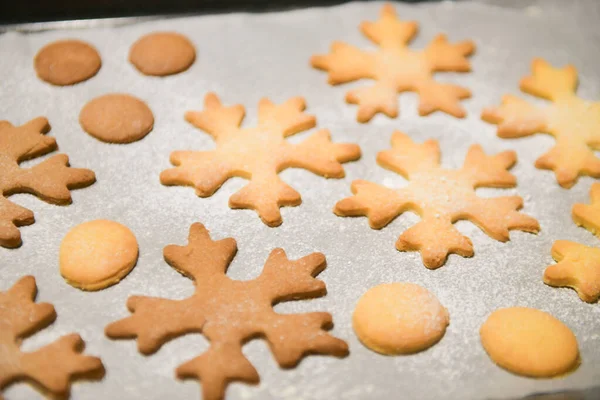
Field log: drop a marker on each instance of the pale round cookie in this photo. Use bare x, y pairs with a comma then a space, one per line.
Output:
116, 118
162, 53
66, 62
97, 254
399, 318
529, 342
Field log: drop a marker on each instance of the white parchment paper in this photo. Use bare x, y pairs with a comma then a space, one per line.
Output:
244, 57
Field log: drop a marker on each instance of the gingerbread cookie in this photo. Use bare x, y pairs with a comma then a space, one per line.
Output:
116, 118
574, 122
399, 318
257, 154
162, 54
229, 313
50, 180
396, 69
51, 367
66, 62
440, 197
529, 342
97, 254
578, 266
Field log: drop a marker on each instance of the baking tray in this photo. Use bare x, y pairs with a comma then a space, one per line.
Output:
244, 57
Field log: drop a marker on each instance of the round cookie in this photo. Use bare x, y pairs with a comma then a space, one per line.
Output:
399, 318
162, 53
529, 342
116, 118
66, 62
97, 254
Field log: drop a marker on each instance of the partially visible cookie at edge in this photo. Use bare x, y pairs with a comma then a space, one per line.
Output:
116, 118
529, 342
51, 180
51, 368
578, 265
67, 62
162, 54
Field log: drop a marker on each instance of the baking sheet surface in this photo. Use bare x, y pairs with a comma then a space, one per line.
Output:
243, 57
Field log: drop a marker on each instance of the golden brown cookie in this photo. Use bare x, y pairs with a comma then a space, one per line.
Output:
50, 180
51, 367
578, 266
66, 62
257, 154
441, 197
97, 254
229, 313
588, 215
162, 53
529, 342
116, 118
396, 69
399, 318
574, 122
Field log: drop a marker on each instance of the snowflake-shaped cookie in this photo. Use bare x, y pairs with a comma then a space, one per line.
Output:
396, 69
51, 367
229, 313
574, 122
441, 197
578, 266
257, 154
50, 180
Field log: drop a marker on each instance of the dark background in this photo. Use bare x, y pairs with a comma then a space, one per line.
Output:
21, 11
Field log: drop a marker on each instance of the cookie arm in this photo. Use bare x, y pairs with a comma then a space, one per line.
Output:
202, 258
484, 170
265, 194
548, 82
516, 118
216, 119
435, 237
588, 215
220, 365
155, 321
55, 365
283, 279
443, 56
445, 97
291, 337
11, 217
378, 203
284, 119
569, 159
52, 180
345, 63
204, 170
26, 141
497, 216
407, 157
371, 100
389, 31
25, 315
320, 155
